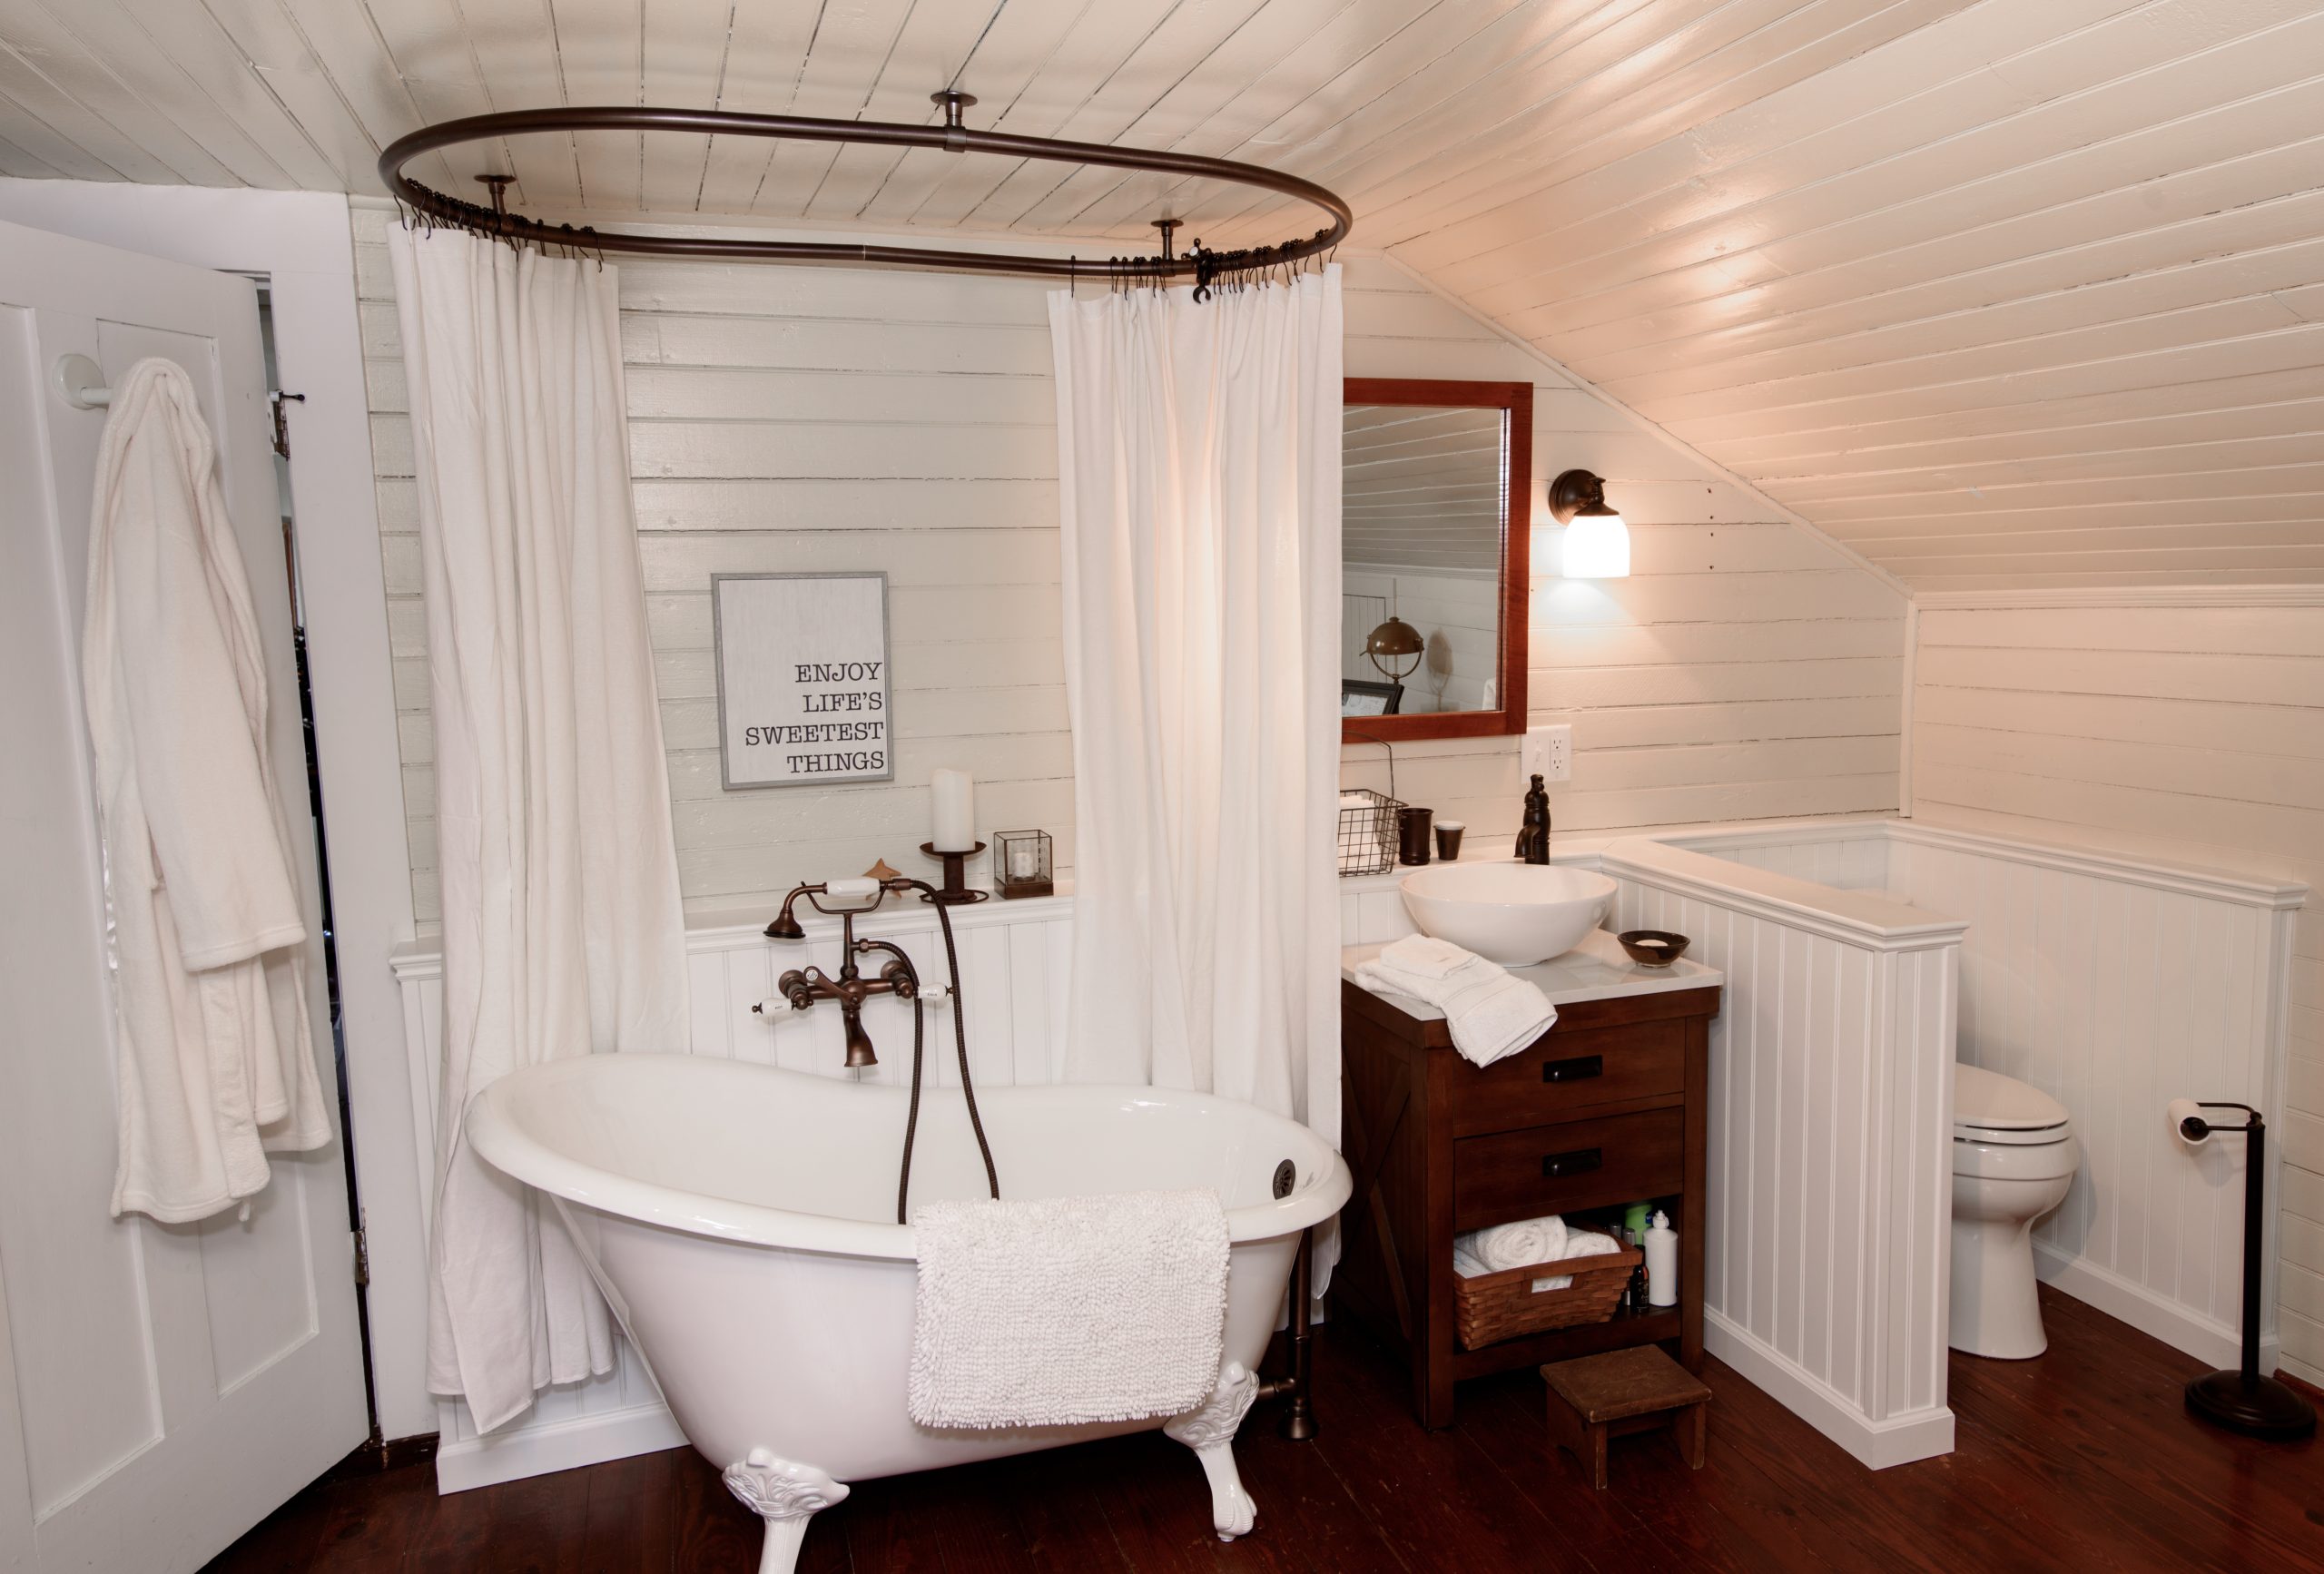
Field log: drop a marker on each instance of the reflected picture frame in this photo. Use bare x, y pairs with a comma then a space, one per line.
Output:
1386, 697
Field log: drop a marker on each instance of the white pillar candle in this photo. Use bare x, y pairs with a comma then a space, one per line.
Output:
955, 813
1023, 861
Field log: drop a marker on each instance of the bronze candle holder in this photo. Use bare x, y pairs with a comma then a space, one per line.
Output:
955, 888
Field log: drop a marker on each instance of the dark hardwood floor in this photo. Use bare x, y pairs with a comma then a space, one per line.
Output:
2080, 1461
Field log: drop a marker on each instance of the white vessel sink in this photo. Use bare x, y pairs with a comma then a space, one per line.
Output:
1515, 914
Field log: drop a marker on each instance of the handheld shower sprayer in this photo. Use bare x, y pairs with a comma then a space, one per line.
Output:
801, 988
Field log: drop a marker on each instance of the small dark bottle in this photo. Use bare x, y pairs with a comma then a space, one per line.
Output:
1533, 838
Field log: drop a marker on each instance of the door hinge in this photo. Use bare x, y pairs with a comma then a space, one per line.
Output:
278, 398
362, 1259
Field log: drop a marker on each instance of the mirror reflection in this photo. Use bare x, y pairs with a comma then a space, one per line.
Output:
1422, 505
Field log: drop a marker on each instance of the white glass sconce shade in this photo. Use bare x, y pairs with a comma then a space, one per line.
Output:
1597, 541
1598, 546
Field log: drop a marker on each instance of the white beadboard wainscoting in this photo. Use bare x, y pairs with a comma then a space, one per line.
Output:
1829, 1255
2114, 985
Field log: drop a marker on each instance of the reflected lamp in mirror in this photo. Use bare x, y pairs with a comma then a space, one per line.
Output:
1597, 541
1390, 643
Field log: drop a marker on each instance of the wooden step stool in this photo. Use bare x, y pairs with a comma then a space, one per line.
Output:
1622, 1391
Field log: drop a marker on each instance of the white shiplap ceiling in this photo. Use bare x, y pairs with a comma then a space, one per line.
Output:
2021, 292
1420, 486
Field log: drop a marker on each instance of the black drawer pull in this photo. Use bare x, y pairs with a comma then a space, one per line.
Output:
1579, 1068
1580, 1161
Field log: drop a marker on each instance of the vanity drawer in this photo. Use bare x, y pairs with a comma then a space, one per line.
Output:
1565, 1073
1577, 1163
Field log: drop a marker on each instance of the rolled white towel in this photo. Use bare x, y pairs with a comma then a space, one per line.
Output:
1581, 1244
1518, 1246
1489, 1012
1467, 1264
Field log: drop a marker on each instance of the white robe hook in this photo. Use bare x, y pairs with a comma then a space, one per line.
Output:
81, 382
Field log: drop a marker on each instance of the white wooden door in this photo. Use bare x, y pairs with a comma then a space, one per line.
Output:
162, 1388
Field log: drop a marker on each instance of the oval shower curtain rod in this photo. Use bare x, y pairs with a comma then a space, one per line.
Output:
950, 137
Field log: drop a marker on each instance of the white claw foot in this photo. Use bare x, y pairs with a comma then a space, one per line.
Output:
1210, 1432
786, 1495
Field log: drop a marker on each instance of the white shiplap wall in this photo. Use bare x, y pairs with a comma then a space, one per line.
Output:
2192, 732
827, 418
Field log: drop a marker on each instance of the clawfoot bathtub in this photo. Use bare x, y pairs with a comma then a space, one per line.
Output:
732, 1214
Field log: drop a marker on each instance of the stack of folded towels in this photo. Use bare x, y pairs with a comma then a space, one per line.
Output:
1490, 1012
1524, 1243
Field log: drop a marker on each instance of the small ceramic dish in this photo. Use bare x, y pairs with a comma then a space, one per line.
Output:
1653, 948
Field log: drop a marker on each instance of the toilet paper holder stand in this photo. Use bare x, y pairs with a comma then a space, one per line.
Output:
2242, 1399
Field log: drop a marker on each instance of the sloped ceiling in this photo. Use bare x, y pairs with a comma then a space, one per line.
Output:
2021, 292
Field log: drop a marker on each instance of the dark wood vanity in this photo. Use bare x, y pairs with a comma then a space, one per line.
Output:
1606, 1108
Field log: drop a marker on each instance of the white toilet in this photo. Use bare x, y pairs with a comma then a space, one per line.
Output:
2013, 1156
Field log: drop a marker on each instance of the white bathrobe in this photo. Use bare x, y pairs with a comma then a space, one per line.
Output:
214, 1063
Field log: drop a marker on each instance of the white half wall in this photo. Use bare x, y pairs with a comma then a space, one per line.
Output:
1828, 1261
2114, 985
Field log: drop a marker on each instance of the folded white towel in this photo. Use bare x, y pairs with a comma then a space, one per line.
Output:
1067, 1309
1518, 1246
1490, 1012
1425, 957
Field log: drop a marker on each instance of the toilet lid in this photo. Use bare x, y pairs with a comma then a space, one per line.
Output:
1990, 1108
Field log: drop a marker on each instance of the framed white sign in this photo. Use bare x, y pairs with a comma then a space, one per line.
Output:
802, 679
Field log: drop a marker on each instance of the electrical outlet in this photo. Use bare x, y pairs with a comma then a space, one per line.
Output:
1547, 753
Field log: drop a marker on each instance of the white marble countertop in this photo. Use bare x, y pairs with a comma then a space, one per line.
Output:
1596, 970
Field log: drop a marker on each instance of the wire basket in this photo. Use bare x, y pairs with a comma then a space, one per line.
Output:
1367, 841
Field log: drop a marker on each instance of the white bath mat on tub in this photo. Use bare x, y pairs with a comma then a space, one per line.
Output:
1061, 1311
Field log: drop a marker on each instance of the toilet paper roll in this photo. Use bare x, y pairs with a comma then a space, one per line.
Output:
2181, 1111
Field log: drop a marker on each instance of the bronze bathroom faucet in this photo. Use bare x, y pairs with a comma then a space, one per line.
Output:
802, 986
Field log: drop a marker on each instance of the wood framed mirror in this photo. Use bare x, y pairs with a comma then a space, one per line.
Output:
1435, 508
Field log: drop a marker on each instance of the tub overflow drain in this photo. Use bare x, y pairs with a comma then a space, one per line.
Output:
1284, 1174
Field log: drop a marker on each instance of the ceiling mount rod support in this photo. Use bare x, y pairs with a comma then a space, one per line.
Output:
954, 101
500, 184
1170, 228
951, 136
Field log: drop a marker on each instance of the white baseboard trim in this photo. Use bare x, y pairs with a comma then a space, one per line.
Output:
2127, 1302
564, 1445
1899, 1440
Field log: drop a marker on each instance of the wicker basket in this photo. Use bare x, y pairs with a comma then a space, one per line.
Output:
1492, 1308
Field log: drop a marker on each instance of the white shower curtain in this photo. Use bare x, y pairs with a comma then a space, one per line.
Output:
563, 929
1199, 468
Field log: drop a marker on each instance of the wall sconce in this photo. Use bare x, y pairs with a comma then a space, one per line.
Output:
1597, 541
